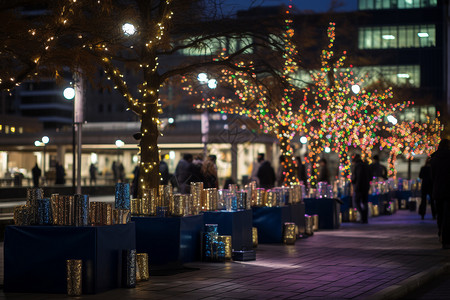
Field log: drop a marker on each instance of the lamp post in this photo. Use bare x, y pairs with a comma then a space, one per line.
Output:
77, 94
69, 94
212, 84
43, 143
119, 144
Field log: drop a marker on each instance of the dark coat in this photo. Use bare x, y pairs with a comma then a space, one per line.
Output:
427, 180
324, 176
266, 175
361, 177
440, 172
164, 170
378, 170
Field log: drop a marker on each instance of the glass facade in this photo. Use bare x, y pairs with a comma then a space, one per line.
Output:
408, 36
395, 4
399, 75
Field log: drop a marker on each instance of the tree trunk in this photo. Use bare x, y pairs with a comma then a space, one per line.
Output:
149, 176
288, 163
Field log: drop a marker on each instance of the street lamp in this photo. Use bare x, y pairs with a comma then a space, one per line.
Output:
128, 29
69, 94
212, 84
77, 94
43, 143
119, 144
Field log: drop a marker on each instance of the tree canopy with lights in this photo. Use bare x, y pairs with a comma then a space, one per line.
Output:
348, 115
268, 99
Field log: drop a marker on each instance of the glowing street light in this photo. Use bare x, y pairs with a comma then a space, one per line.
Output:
303, 140
171, 120
119, 143
327, 150
202, 77
69, 93
128, 29
356, 89
212, 83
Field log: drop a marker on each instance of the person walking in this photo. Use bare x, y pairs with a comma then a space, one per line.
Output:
361, 185
323, 171
183, 174
36, 172
377, 170
266, 175
427, 187
440, 173
255, 168
92, 174
60, 174
164, 171
209, 173
115, 172
121, 172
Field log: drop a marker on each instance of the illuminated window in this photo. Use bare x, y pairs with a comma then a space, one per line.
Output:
395, 4
401, 75
389, 37
20, 129
6, 129
13, 129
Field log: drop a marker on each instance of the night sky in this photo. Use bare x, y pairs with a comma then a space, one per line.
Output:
315, 5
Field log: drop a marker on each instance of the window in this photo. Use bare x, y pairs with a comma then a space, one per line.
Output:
395, 4
398, 75
389, 37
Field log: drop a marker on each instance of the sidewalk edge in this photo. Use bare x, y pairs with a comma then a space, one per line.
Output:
408, 285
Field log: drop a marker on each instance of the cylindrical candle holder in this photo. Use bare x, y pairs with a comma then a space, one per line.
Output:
74, 281
108, 217
309, 225
179, 204
241, 199
210, 199
22, 215
122, 196
120, 216
44, 216
197, 195
135, 205
54, 199
226, 239
81, 210
271, 199
129, 268
33, 194
260, 197
142, 273
315, 222
376, 210
289, 236
255, 237
223, 201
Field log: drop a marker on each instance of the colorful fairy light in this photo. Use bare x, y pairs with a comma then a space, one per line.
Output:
347, 117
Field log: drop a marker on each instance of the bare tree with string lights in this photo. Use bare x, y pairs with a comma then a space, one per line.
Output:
348, 115
140, 45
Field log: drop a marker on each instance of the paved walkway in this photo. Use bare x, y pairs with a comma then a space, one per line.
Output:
351, 263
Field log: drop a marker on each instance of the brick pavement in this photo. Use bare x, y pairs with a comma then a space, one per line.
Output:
351, 263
